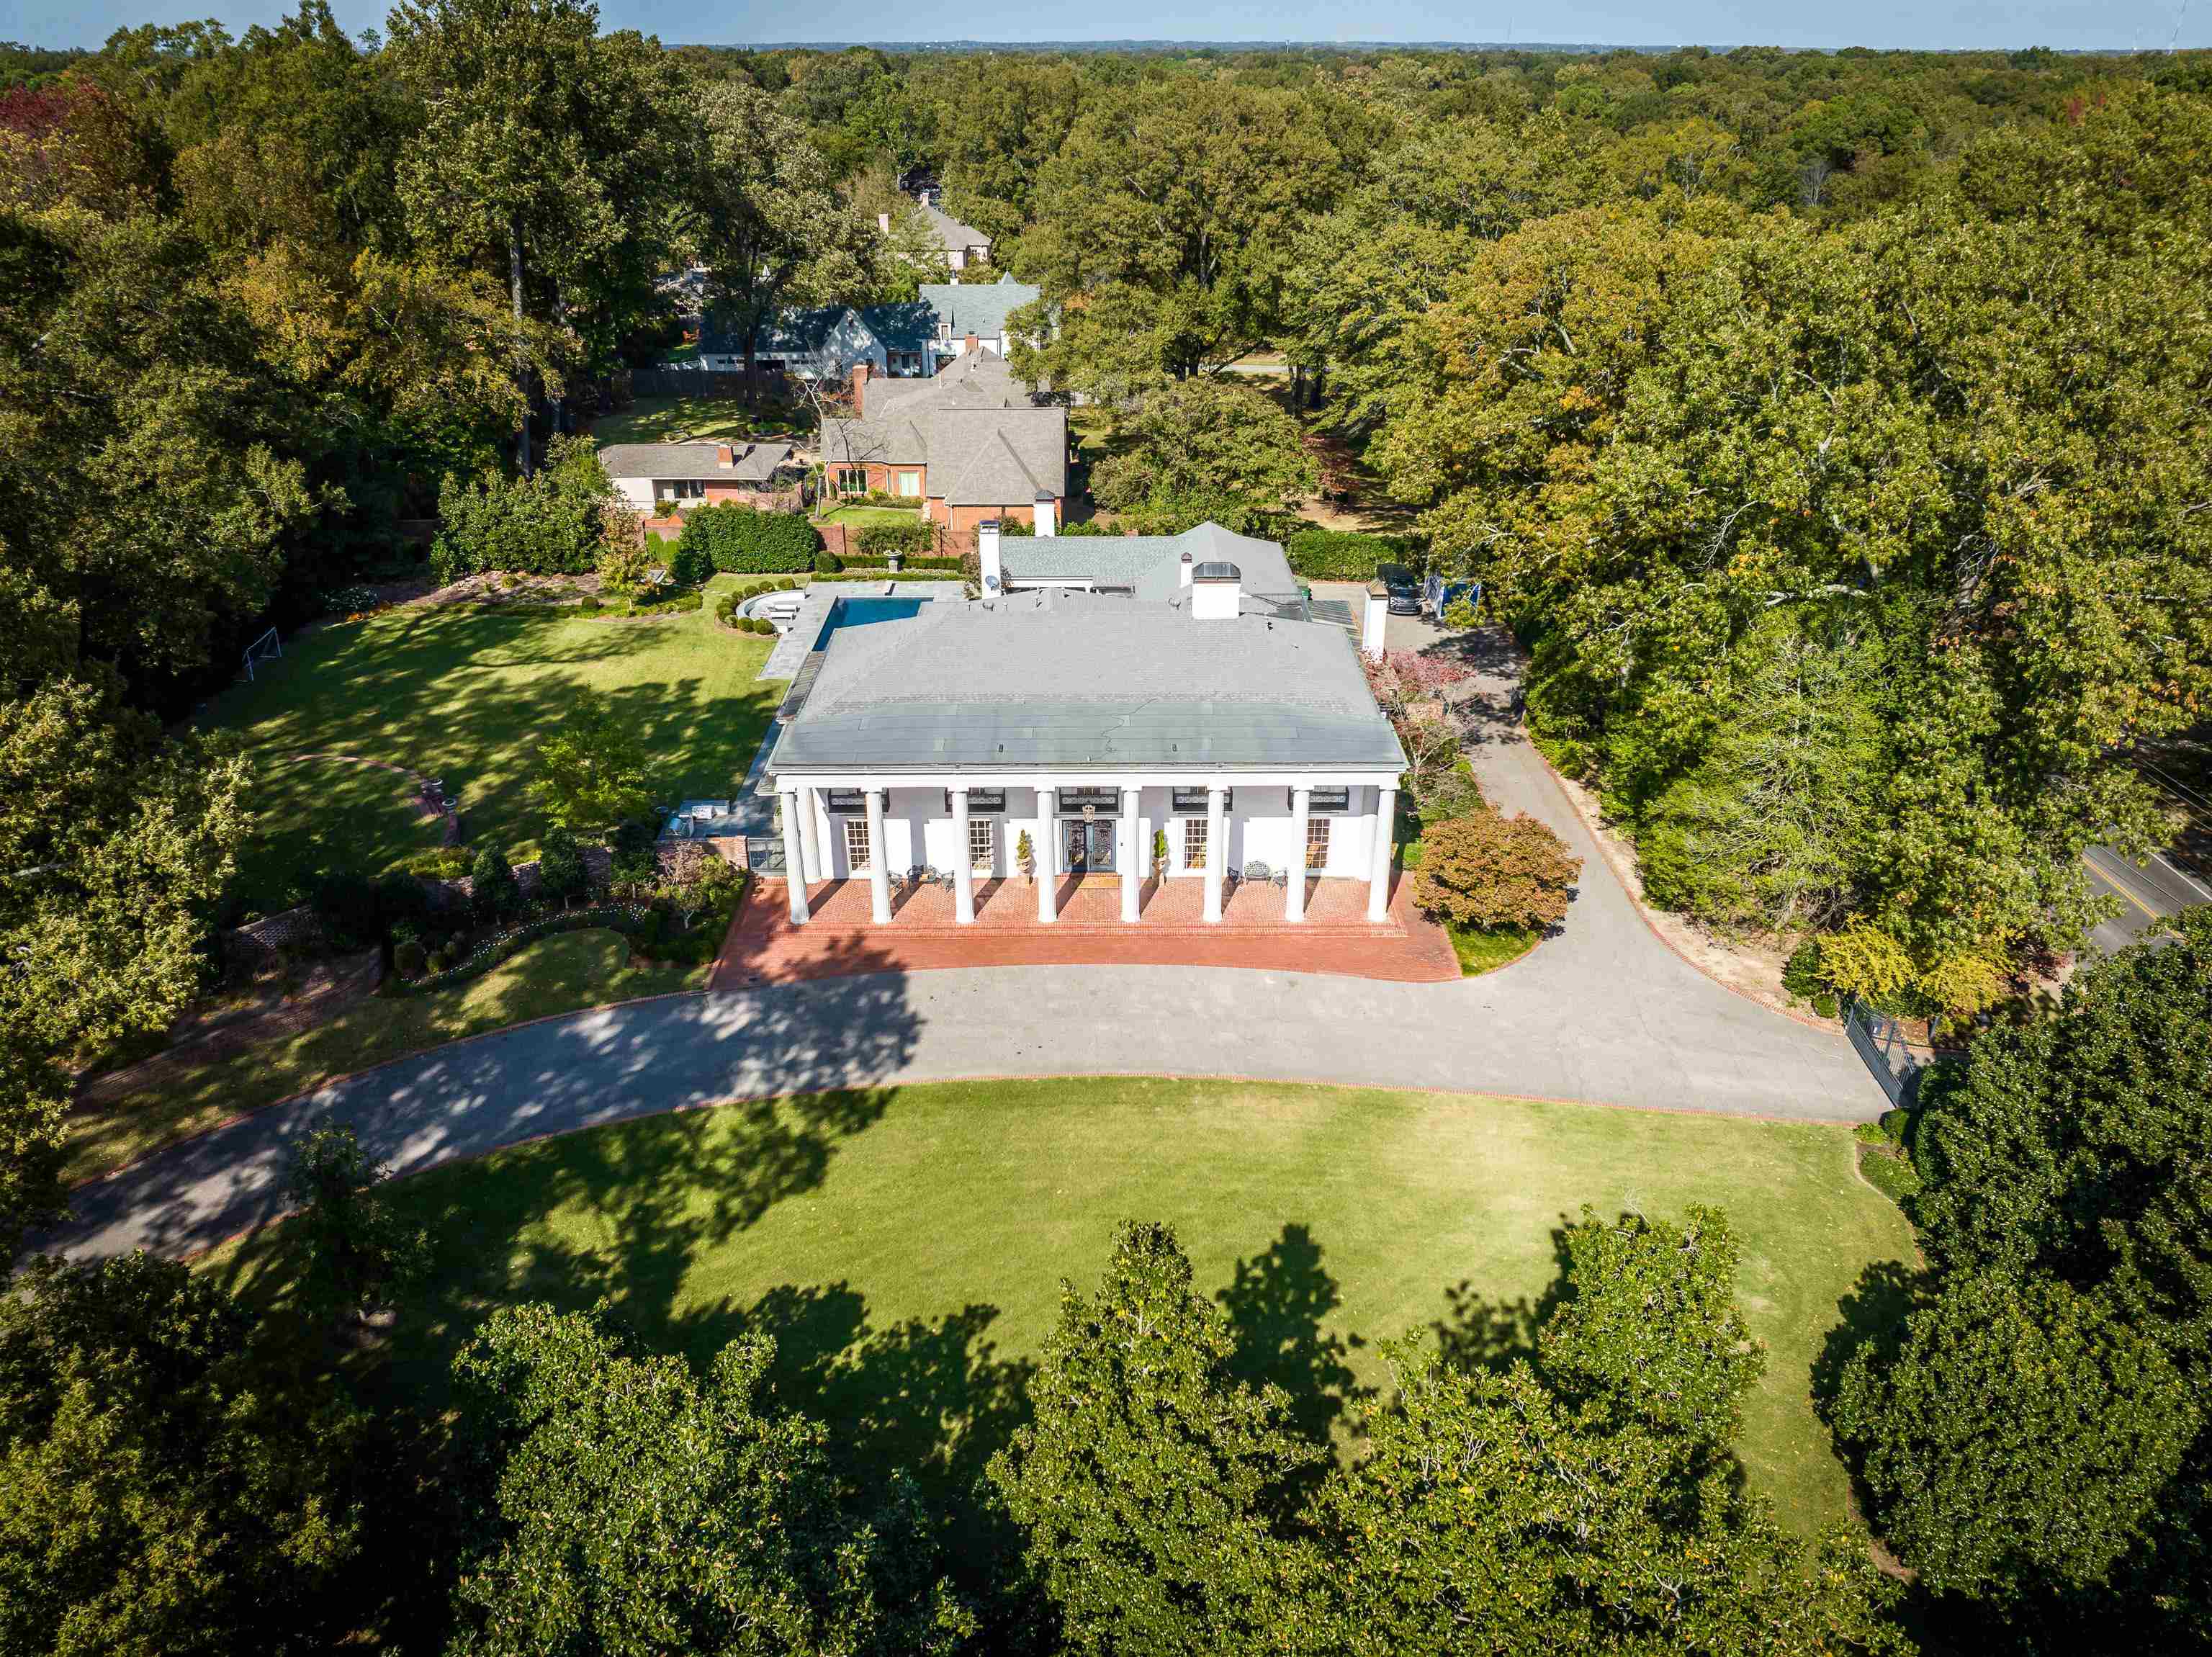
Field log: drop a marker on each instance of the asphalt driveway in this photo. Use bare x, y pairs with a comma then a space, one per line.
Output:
1603, 1013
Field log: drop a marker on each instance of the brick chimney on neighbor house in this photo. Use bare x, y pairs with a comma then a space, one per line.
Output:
860, 388
970, 345
723, 457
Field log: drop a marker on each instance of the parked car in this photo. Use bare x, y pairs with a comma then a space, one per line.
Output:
1404, 586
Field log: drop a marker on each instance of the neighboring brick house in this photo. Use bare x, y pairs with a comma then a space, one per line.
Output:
649, 473
972, 444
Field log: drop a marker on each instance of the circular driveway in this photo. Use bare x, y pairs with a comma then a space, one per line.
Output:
1604, 1014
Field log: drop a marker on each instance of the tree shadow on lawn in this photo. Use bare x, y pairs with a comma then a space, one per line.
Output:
465, 696
1873, 1313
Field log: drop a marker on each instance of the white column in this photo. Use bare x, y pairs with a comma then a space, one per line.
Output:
794, 865
879, 861
964, 861
1217, 849
1132, 851
1048, 896
1378, 874
1294, 894
810, 836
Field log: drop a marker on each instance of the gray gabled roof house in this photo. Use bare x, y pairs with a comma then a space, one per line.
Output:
1139, 741
971, 443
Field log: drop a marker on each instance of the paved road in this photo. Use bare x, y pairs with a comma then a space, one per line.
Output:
1604, 1014
2148, 895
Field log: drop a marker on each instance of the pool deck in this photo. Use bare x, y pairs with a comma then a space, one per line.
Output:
805, 630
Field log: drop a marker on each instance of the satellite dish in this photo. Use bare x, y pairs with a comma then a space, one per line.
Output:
992, 582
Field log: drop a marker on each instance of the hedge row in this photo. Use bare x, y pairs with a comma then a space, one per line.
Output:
1347, 555
914, 538
622, 918
740, 540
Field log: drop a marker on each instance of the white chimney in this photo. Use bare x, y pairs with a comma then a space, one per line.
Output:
1376, 624
1047, 514
883, 222
1216, 592
1183, 571
987, 551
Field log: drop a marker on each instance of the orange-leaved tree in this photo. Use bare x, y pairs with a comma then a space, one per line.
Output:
1489, 869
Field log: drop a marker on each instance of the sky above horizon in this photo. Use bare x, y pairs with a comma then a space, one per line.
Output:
2068, 25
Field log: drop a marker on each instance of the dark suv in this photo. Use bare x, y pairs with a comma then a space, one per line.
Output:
1404, 589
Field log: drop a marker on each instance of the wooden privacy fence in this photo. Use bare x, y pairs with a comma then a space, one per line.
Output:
767, 382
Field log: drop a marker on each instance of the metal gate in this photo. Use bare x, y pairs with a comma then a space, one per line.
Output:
1897, 1063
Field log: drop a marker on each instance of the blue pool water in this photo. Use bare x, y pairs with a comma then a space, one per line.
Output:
860, 612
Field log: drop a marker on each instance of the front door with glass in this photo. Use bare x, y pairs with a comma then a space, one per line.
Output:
1090, 846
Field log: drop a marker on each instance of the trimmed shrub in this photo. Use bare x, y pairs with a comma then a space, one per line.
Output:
590, 605
827, 563
1487, 869
879, 538
1345, 555
689, 599
689, 562
492, 892
741, 540
410, 959
561, 863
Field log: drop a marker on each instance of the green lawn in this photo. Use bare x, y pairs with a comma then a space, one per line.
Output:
858, 516
1486, 949
556, 975
670, 419
906, 1245
465, 694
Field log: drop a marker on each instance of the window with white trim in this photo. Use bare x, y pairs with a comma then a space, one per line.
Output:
1193, 843
982, 844
1317, 843
1335, 800
858, 854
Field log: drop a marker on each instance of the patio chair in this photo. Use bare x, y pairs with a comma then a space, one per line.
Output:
1258, 873
916, 875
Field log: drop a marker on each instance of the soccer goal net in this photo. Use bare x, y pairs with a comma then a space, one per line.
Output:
267, 648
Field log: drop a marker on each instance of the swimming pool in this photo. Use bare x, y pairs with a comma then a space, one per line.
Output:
860, 612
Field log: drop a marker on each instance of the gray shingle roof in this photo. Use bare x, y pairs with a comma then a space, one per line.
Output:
751, 463
951, 234
978, 308
1149, 563
1060, 679
974, 426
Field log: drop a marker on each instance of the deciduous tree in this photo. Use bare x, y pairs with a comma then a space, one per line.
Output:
1488, 870
635, 1507
1142, 1483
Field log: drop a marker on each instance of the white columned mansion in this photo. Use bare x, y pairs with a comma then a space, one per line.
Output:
1111, 707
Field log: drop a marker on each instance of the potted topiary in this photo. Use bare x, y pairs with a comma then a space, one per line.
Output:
1025, 855
1159, 854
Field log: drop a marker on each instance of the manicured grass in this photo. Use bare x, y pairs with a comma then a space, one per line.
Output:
906, 1245
1486, 949
858, 516
557, 975
669, 419
465, 694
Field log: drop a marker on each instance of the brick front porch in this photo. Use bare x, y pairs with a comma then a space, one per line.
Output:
764, 946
